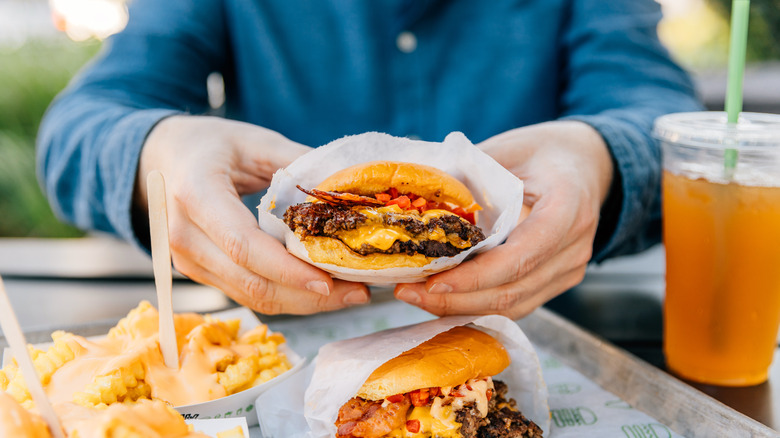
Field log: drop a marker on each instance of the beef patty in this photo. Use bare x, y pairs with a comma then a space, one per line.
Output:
503, 419
321, 219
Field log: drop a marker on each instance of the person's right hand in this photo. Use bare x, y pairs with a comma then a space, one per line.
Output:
208, 163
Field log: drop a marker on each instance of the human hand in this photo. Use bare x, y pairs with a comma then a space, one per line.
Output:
208, 163
567, 171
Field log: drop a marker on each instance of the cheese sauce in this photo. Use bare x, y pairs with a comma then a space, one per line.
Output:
477, 395
440, 420
129, 360
196, 380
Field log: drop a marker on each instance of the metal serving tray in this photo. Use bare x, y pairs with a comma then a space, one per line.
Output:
671, 402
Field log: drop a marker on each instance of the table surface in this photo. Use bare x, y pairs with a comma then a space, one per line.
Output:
67, 282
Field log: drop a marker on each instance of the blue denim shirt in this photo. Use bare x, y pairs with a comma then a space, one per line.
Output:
318, 70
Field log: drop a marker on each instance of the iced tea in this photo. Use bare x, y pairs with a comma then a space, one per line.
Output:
722, 306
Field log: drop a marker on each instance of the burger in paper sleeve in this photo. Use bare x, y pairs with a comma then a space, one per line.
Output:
386, 214
380, 209
452, 377
442, 388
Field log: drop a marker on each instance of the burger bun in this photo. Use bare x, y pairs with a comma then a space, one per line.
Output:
448, 359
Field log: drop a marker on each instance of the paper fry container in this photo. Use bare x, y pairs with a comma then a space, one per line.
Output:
341, 368
240, 404
497, 190
215, 426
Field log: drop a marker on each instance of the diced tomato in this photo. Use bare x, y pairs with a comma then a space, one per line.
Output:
413, 426
435, 391
395, 398
489, 394
419, 203
393, 192
383, 197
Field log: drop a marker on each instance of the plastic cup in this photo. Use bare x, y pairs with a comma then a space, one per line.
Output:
722, 238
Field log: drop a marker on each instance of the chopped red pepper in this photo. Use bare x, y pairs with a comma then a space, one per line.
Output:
383, 197
413, 426
401, 201
409, 201
395, 398
419, 397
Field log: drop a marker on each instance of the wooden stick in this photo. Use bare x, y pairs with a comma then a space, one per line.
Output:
161, 261
13, 333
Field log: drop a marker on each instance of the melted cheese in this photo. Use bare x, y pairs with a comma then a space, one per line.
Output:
439, 420
435, 421
374, 233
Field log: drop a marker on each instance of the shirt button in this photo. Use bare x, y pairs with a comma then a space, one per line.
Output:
406, 42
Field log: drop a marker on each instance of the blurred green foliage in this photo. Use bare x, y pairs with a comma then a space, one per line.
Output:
30, 76
763, 29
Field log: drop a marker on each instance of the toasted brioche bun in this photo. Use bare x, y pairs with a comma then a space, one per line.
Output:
333, 251
449, 359
374, 177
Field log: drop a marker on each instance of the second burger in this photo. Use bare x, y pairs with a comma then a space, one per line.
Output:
444, 387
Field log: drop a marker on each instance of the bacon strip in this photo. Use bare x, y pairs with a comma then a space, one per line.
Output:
360, 418
339, 198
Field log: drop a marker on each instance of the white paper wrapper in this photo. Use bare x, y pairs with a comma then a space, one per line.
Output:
240, 404
213, 427
497, 190
341, 368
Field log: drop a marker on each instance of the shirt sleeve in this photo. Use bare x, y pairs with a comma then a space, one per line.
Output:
90, 139
618, 78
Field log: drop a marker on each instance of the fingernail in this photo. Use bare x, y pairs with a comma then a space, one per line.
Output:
356, 297
319, 287
409, 296
440, 288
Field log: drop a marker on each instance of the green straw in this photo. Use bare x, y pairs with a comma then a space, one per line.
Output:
740, 10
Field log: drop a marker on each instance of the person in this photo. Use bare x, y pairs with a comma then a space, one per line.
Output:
563, 93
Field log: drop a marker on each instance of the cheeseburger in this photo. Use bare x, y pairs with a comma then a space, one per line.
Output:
386, 214
442, 388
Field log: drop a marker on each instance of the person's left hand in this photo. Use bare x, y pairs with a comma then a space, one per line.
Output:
567, 170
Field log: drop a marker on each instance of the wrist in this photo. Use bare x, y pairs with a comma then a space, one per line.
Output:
162, 133
603, 162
